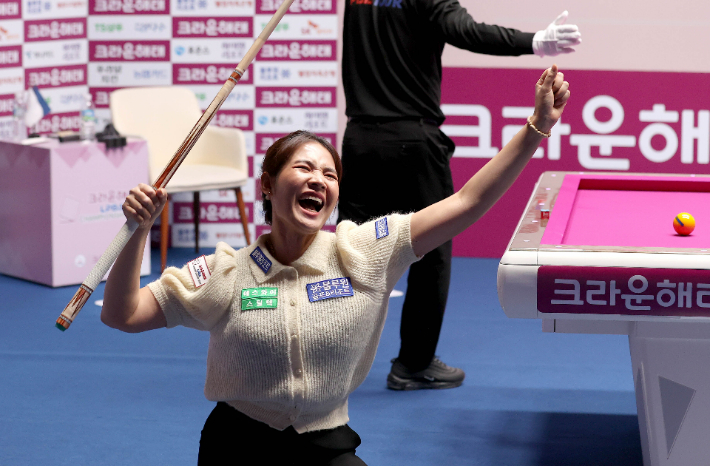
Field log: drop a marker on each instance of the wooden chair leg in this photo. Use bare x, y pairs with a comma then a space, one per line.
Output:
243, 214
164, 230
196, 211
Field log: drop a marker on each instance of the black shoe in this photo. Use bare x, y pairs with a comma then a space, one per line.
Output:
437, 375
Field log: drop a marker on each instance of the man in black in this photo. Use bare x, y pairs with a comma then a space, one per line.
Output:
395, 158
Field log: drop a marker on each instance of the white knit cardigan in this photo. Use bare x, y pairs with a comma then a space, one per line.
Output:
295, 364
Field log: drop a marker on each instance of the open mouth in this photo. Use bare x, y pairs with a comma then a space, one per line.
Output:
311, 203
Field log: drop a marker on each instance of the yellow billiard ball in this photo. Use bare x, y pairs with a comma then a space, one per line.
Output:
684, 224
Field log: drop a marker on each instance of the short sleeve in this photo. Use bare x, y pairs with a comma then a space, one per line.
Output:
377, 250
183, 303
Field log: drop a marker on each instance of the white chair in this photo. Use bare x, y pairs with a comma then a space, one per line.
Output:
164, 116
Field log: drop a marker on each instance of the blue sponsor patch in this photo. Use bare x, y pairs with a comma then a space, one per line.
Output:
381, 229
335, 288
261, 260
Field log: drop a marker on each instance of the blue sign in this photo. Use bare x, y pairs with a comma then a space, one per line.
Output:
261, 260
335, 288
381, 229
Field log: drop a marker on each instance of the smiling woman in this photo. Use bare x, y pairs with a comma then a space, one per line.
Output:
280, 153
295, 318
300, 185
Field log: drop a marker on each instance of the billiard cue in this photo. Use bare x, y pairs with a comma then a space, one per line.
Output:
124, 235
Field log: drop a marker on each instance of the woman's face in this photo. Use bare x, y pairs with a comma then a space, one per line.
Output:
305, 192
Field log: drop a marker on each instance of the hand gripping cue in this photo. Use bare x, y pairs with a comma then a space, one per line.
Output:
119, 242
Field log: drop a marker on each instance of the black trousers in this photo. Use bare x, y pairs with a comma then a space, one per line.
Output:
403, 166
232, 438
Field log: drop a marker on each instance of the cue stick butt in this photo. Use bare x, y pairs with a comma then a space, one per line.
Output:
72, 309
96, 275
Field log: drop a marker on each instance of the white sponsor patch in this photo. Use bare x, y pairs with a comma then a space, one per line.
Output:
199, 271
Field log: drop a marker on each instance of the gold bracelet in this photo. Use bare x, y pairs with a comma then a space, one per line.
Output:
545, 135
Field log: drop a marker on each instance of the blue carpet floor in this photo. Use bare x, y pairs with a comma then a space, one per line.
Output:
96, 396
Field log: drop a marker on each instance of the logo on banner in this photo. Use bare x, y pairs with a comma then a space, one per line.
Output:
296, 97
200, 74
129, 51
42, 54
7, 104
10, 56
212, 212
266, 140
55, 29
296, 73
232, 5
101, 96
275, 120
212, 27
135, 27
11, 79
74, 75
10, 10
64, 99
621, 130
241, 119
298, 50
53, 123
142, 7
315, 28
11, 32
298, 6
218, 50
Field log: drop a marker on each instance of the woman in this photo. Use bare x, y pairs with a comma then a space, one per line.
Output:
295, 318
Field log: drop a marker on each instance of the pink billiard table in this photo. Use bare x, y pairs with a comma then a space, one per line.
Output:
597, 253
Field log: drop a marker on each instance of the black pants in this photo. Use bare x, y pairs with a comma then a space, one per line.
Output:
403, 166
232, 438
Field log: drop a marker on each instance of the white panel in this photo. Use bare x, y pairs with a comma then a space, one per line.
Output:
624, 259
517, 290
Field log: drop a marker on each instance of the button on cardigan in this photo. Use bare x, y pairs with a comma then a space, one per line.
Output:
296, 362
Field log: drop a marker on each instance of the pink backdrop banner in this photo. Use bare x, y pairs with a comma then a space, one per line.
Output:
639, 122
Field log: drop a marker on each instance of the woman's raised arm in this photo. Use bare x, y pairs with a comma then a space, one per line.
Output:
127, 306
440, 222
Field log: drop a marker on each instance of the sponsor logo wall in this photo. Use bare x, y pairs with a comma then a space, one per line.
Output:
70, 47
615, 121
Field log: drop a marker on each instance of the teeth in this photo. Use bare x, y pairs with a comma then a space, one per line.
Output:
314, 199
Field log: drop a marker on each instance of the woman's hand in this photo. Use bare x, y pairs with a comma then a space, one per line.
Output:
551, 94
144, 204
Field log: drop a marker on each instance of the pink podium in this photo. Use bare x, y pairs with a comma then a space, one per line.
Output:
60, 206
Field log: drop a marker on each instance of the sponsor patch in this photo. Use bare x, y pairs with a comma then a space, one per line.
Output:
326, 289
261, 260
199, 271
381, 229
260, 298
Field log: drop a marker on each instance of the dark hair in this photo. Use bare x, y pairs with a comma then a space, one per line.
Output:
281, 151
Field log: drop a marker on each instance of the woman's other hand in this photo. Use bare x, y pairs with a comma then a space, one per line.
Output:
143, 205
551, 94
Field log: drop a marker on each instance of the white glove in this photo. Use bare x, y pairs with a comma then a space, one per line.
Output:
557, 38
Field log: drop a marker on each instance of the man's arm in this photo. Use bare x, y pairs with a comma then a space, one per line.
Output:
459, 29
